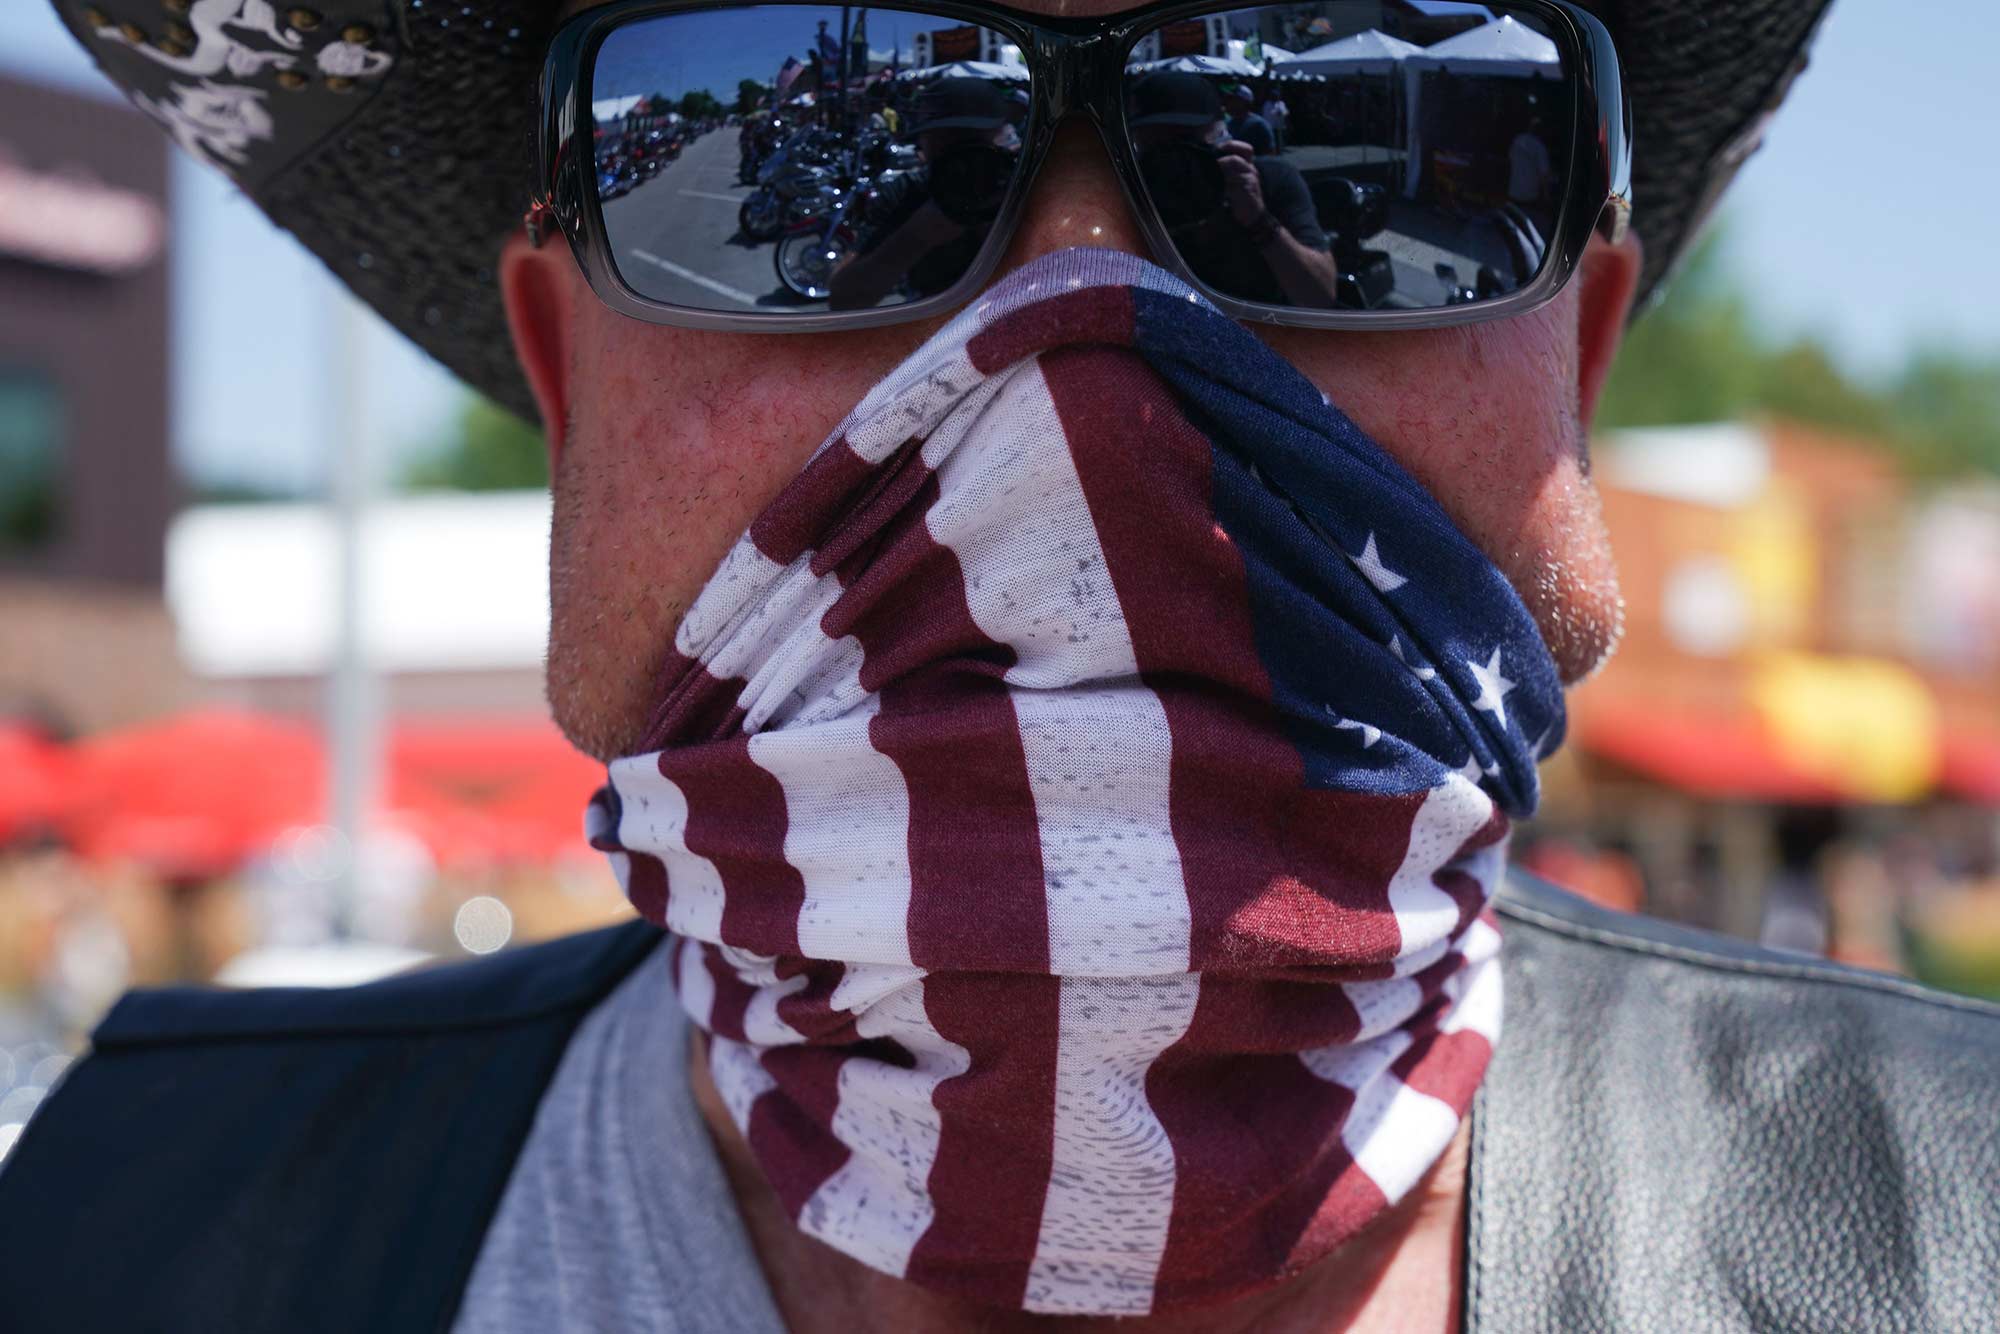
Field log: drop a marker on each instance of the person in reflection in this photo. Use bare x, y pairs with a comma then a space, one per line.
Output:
1531, 172
1243, 222
926, 226
1018, 103
1277, 115
1246, 125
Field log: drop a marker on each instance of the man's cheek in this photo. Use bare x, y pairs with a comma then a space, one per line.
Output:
1480, 414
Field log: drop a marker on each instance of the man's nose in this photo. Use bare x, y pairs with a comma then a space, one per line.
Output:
1075, 201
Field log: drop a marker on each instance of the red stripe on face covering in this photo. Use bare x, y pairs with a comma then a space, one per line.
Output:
788, 1129
1278, 876
947, 722
694, 705
1307, 871
736, 819
1091, 315
826, 488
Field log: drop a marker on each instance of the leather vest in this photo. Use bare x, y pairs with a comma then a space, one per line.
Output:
1679, 1132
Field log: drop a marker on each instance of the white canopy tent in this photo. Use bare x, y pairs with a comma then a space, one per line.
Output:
609, 112
1235, 67
969, 69
1504, 48
1369, 52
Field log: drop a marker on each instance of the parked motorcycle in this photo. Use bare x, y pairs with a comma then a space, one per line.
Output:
789, 185
1456, 293
878, 151
814, 246
615, 177
1354, 211
806, 259
838, 225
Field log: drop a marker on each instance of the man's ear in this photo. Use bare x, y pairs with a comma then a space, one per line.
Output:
1607, 278
539, 287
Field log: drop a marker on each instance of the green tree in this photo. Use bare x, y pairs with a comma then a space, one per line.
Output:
1802, 382
749, 93
1699, 355
491, 450
1693, 357
1950, 404
699, 103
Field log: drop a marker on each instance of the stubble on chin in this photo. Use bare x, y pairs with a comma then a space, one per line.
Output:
1579, 611
609, 637
1569, 580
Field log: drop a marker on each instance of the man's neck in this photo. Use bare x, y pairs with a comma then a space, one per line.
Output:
1403, 1275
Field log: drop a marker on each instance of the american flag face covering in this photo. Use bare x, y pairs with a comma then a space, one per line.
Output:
1076, 800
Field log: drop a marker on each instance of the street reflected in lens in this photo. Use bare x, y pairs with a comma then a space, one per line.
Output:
793, 159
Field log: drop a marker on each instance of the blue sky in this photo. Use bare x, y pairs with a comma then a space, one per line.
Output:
681, 52
1867, 219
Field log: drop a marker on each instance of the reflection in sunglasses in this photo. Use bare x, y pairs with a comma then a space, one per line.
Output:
1419, 156
1338, 155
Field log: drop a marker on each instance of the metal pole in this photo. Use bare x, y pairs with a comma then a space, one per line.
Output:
352, 710
846, 125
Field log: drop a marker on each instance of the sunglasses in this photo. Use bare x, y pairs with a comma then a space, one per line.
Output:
1344, 164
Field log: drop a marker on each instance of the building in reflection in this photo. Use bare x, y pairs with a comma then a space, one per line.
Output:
942, 46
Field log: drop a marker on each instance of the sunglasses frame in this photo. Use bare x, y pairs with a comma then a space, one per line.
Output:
1076, 67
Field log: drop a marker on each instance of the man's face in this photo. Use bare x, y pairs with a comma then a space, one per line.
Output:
667, 442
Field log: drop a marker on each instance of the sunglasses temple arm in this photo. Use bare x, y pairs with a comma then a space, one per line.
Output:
1616, 219
538, 222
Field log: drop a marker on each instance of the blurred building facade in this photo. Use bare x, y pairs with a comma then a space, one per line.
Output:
1810, 679
454, 593
86, 486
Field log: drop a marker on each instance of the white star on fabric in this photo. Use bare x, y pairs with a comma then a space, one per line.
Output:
1493, 687
1470, 770
1369, 562
1369, 735
1421, 673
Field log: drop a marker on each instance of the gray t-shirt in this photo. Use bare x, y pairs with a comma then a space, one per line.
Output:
617, 1215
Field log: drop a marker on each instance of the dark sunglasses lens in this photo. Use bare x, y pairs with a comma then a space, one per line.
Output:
786, 160
1354, 155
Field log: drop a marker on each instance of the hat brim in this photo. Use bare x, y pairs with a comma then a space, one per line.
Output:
406, 174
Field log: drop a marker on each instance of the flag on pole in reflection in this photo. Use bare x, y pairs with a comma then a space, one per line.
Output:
788, 73
857, 47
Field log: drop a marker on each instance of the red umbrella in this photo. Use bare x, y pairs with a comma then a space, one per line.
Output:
35, 786
195, 795
494, 790
1972, 766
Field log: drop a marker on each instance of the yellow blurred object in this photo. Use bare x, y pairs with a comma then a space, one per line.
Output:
1867, 727
1775, 554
